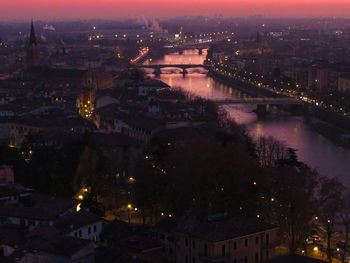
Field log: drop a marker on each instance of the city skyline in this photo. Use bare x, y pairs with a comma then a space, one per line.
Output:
183, 131
39, 9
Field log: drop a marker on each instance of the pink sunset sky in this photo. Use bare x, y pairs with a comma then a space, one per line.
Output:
69, 9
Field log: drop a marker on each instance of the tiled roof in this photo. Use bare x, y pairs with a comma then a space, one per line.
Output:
13, 189
11, 235
45, 208
216, 230
50, 121
154, 83
64, 246
74, 221
294, 259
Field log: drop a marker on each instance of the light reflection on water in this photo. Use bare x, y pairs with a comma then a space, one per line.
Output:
314, 149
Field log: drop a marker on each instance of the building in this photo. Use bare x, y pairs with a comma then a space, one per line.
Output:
147, 86
31, 124
293, 259
83, 225
110, 119
135, 241
13, 194
220, 239
63, 250
344, 83
258, 49
326, 78
299, 74
6, 175
35, 210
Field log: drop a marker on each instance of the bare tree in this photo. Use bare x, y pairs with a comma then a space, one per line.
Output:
330, 205
270, 150
345, 218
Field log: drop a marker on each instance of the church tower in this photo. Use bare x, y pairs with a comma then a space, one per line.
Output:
33, 59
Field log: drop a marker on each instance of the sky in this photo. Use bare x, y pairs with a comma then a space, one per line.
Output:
72, 9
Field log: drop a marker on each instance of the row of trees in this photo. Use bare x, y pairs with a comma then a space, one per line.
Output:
201, 172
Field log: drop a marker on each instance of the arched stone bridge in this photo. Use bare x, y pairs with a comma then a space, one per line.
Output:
157, 67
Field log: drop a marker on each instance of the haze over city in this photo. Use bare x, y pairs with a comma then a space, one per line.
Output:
174, 131
65, 9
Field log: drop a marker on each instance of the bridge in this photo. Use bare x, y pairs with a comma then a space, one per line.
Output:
191, 45
157, 67
259, 101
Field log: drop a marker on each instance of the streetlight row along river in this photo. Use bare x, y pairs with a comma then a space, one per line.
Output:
314, 149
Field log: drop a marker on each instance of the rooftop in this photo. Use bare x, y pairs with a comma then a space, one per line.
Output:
45, 208
154, 83
73, 221
50, 121
215, 230
63, 246
13, 189
294, 259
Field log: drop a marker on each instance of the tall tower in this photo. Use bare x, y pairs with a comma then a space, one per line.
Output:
33, 59
259, 44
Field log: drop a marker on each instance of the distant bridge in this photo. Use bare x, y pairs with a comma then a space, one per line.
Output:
194, 45
259, 101
157, 67
200, 46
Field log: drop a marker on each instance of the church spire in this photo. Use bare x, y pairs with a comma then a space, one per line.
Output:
33, 58
32, 37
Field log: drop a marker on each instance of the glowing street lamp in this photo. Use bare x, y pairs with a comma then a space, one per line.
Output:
131, 180
129, 208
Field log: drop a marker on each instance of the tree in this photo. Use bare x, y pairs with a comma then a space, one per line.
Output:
291, 203
103, 168
345, 218
91, 203
208, 173
290, 195
149, 189
330, 205
270, 151
86, 170
291, 159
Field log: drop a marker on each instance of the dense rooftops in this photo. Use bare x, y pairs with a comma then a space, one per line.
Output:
75, 220
214, 231
62, 246
44, 208
294, 259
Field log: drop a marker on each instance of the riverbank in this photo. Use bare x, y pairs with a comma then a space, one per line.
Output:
337, 135
248, 89
326, 123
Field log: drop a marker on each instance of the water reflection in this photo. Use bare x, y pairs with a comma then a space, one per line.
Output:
313, 148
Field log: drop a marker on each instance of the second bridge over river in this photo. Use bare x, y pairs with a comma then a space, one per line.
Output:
260, 101
264, 104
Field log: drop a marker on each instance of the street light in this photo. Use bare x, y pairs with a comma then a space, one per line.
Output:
129, 217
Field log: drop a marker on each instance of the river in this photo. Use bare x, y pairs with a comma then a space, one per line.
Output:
314, 149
